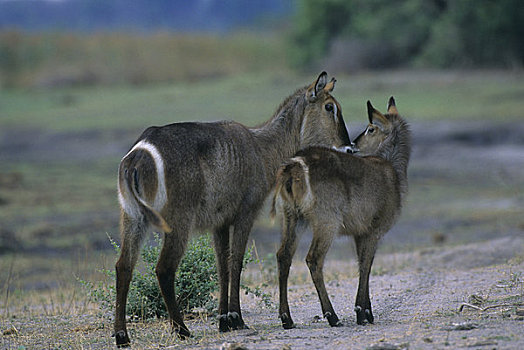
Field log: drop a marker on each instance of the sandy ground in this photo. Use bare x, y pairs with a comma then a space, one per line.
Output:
416, 306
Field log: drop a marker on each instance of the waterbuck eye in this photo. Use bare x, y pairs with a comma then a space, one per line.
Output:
329, 107
371, 130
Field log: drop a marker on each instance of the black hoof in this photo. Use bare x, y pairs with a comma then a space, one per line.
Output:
223, 323
287, 322
333, 319
364, 315
183, 333
122, 339
369, 315
235, 321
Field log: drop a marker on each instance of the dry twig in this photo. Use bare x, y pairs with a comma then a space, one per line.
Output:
482, 309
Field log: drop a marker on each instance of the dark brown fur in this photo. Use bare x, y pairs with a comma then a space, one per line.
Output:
340, 193
216, 176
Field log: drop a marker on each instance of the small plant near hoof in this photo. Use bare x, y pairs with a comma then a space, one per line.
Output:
267, 276
195, 282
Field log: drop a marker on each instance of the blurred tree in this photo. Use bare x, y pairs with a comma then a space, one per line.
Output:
439, 33
477, 33
317, 23
400, 27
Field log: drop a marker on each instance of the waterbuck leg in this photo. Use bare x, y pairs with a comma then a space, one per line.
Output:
172, 251
285, 255
221, 241
131, 236
238, 248
366, 248
315, 261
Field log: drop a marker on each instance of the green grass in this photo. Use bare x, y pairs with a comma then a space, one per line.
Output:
433, 96
61, 193
60, 205
253, 98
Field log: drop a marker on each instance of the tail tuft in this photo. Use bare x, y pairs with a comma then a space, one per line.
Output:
291, 184
152, 216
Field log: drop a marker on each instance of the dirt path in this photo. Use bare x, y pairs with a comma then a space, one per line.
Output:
416, 306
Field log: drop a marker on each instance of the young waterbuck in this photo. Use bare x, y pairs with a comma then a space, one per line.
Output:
335, 192
187, 177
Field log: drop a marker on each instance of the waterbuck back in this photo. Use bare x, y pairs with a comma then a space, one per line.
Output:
188, 177
340, 193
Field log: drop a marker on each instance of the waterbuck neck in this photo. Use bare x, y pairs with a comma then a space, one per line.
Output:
279, 138
396, 148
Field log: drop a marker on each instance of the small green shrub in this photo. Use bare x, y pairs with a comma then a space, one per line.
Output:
195, 283
197, 278
268, 275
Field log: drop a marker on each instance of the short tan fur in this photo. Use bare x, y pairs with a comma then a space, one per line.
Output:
338, 193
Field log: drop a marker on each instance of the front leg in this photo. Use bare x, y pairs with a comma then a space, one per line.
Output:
285, 255
238, 248
366, 248
221, 241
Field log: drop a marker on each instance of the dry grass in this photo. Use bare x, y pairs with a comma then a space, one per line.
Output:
65, 59
65, 318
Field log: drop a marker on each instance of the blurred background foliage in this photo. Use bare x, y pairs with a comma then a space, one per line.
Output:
86, 42
427, 33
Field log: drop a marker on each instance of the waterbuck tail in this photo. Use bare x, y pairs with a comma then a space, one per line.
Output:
292, 185
151, 215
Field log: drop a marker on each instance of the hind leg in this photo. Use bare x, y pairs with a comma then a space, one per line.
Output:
132, 234
171, 254
366, 248
322, 238
285, 255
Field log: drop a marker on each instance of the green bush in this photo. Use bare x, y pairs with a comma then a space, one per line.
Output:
195, 283
267, 275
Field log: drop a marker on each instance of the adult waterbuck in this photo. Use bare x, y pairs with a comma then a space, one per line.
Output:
340, 193
187, 177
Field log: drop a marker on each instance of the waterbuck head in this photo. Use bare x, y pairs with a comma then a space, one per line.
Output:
379, 128
323, 123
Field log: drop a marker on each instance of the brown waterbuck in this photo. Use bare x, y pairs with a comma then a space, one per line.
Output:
187, 177
340, 193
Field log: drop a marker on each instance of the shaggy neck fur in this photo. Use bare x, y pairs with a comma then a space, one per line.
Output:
396, 148
279, 137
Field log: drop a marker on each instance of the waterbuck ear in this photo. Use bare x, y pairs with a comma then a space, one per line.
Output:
331, 85
392, 107
371, 110
316, 87
377, 118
